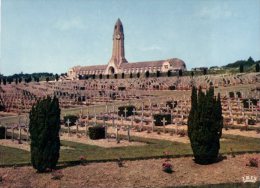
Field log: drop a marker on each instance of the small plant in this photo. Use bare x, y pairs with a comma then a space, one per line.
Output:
158, 132
120, 162
82, 159
232, 153
253, 162
56, 174
167, 167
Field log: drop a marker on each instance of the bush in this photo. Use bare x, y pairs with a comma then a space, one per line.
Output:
171, 104
205, 124
121, 88
96, 132
245, 102
231, 94
44, 130
2, 132
172, 88
159, 118
130, 109
72, 119
253, 162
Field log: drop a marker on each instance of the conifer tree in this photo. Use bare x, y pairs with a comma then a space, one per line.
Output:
44, 133
257, 67
205, 124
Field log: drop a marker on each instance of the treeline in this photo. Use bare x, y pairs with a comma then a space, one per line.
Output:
27, 78
245, 63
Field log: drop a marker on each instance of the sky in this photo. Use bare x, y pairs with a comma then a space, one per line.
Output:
55, 35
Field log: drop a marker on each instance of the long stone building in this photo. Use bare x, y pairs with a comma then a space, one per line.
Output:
118, 63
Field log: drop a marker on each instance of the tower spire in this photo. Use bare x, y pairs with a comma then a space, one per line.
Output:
118, 54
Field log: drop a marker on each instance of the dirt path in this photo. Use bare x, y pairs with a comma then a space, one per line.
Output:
143, 173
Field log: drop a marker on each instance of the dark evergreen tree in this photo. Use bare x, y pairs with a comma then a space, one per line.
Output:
205, 124
192, 74
147, 74
204, 71
56, 77
16, 81
180, 72
44, 130
241, 68
138, 75
131, 75
0, 81
169, 73
4, 81
158, 74
123, 75
257, 67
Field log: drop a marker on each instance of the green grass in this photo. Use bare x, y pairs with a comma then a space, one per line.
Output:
10, 155
153, 148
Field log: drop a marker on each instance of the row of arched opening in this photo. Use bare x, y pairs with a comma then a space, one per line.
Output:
147, 74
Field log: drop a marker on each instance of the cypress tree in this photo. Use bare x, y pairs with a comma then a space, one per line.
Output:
241, 68
44, 133
205, 124
257, 67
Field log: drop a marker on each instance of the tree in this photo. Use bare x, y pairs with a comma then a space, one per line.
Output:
123, 75
204, 71
131, 75
147, 74
56, 77
47, 79
44, 130
192, 74
158, 74
138, 75
205, 124
257, 67
169, 73
180, 72
16, 80
241, 68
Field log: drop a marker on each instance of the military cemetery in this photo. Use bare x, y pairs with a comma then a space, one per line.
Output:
122, 124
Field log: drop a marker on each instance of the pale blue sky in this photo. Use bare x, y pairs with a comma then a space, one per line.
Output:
54, 35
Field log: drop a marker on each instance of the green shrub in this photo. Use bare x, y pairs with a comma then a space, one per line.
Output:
121, 88
205, 124
159, 118
245, 102
44, 130
2, 132
72, 119
172, 87
130, 109
96, 132
171, 104
231, 94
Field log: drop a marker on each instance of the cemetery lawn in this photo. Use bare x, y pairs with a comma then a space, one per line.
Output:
153, 149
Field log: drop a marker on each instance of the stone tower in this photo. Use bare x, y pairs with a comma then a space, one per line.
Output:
118, 53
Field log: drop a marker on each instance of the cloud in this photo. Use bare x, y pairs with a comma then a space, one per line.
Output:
73, 23
150, 48
215, 12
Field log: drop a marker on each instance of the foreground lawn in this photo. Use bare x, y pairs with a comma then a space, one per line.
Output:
153, 148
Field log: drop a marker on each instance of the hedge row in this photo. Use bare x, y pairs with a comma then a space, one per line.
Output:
129, 112
159, 118
96, 132
171, 104
72, 119
245, 102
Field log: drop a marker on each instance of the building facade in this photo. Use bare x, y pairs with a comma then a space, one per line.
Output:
118, 63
